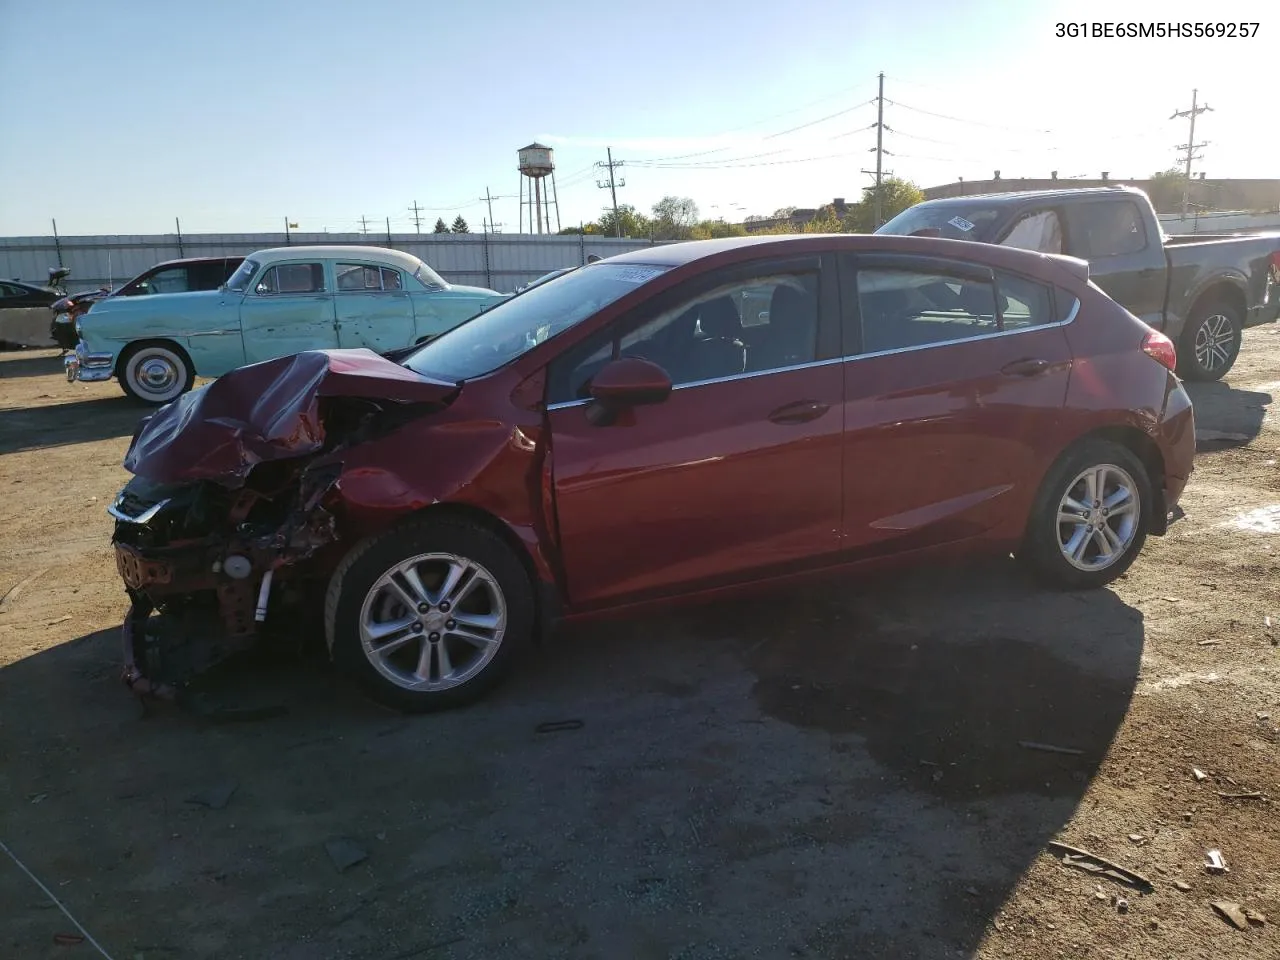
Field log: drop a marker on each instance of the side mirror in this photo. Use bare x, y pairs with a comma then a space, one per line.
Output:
630, 382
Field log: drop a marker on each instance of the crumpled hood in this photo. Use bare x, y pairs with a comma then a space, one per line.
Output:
265, 411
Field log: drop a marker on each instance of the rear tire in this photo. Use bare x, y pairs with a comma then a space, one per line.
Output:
155, 372
1210, 341
1096, 498
473, 609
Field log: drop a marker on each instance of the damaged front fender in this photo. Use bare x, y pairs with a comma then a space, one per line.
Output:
233, 490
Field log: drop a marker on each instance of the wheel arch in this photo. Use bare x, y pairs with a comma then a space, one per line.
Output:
1140, 444
546, 593
1227, 289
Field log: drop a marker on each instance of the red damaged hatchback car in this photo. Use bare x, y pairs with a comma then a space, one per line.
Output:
671, 422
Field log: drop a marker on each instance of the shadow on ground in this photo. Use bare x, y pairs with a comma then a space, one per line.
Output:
13, 364
831, 771
33, 428
1226, 417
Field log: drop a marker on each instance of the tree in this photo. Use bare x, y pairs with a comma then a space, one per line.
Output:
460, 225
712, 229
633, 224
896, 195
1165, 190
440, 226
674, 218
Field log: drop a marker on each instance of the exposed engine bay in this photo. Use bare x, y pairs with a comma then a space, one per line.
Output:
237, 486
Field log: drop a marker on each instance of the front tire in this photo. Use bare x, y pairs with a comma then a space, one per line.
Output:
1210, 342
155, 373
1090, 518
429, 615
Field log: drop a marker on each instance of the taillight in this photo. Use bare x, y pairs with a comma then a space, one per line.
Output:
1160, 349
1275, 263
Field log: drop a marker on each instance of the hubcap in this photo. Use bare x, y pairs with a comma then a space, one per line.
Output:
433, 622
157, 374
1098, 517
1213, 341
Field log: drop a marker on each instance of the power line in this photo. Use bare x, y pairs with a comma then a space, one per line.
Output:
417, 219
976, 123
1190, 147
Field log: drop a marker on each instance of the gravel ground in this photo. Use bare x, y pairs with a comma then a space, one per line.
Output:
833, 771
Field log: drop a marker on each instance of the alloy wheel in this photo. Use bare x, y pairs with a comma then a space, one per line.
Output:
433, 622
1213, 342
1098, 517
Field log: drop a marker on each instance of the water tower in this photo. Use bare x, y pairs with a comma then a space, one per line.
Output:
537, 162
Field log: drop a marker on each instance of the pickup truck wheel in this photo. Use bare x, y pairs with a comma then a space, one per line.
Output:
155, 373
1089, 521
429, 615
1211, 341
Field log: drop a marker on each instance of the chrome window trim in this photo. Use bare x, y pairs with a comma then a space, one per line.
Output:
1070, 318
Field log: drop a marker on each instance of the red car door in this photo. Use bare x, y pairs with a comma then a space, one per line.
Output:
953, 399
738, 471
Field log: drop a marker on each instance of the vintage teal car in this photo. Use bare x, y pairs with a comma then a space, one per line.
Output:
281, 301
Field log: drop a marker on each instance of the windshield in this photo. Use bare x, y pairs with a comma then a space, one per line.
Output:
954, 221
512, 327
240, 279
428, 277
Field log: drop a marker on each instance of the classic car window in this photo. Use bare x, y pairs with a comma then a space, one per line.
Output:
244, 273
391, 279
1040, 231
1024, 303
357, 276
173, 280
707, 337
429, 278
911, 308
292, 278
512, 327
1108, 228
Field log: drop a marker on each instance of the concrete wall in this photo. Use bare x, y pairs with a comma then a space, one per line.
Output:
499, 261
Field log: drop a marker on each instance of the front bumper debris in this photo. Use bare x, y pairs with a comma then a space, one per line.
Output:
89, 367
199, 591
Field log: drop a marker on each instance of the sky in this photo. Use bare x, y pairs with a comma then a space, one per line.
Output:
232, 117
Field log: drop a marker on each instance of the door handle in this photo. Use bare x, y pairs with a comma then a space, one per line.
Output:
1025, 368
802, 411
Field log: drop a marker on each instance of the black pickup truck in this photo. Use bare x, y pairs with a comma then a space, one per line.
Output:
1201, 291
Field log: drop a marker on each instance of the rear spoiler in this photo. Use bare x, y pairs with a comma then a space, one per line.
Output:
1073, 265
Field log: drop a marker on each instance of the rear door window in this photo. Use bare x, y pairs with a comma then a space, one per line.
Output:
904, 307
1105, 228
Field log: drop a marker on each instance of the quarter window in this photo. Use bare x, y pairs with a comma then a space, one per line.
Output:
1024, 303
747, 326
292, 278
391, 279
1109, 228
903, 308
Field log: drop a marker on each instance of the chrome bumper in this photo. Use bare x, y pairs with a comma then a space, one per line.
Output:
88, 367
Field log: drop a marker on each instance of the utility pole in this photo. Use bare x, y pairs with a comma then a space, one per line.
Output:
879, 206
613, 187
488, 198
417, 220
364, 226
1190, 147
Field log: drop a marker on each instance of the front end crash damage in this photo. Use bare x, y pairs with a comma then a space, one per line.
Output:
235, 489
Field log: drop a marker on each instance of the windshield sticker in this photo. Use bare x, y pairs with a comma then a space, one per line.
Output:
960, 223
637, 274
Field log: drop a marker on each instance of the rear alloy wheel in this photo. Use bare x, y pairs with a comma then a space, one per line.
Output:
429, 615
1210, 343
155, 373
1090, 518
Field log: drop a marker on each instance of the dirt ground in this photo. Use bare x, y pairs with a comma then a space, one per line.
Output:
834, 771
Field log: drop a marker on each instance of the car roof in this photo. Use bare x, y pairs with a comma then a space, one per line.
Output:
733, 249
1010, 197
337, 251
